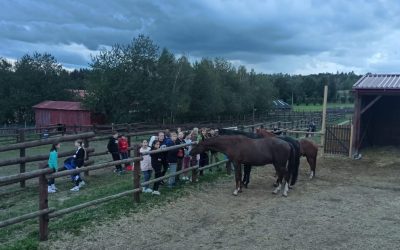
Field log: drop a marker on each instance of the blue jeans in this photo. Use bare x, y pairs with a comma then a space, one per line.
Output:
172, 170
147, 176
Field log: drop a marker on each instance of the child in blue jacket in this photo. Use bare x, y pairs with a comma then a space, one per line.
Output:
53, 164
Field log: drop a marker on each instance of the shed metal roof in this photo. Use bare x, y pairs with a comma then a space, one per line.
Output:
60, 105
378, 82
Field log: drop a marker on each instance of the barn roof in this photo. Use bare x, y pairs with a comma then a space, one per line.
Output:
378, 82
59, 105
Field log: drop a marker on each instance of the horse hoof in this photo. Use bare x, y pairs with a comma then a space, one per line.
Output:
235, 193
291, 187
284, 194
240, 190
274, 192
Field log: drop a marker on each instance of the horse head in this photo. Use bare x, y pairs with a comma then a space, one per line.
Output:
197, 149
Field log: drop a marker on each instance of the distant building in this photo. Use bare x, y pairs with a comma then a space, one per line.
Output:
79, 94
61, 112
376, 111
280, 105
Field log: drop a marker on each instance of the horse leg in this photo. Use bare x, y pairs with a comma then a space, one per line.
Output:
279, 181
246, 176
238, 180
286, 185
312, 162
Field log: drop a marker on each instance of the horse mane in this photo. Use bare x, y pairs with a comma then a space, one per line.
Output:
264, 132
223, 131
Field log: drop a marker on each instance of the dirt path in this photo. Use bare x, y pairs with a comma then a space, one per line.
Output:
334, 211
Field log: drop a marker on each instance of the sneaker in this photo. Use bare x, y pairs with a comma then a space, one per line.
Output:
50, 190
75, 189
156, 193
81, 184
148, 190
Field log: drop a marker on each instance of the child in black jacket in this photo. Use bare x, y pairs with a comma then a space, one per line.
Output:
156, 164
113, 149
79, 160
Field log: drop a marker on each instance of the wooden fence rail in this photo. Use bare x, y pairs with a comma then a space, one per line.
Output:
30, 144
35, 158
45, 213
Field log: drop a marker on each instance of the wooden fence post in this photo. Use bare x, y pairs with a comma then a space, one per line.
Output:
86, 145
21, 138
128, 130
136, 176
43, 204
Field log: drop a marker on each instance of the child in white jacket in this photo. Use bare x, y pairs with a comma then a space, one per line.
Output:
145, 166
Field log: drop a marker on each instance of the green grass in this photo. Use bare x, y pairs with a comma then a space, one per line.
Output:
319, 107
101, 183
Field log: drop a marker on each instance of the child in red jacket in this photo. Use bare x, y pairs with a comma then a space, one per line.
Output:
123, 149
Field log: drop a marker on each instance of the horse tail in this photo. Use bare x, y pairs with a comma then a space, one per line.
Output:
296, 163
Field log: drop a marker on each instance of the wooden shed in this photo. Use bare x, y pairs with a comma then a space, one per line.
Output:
376, 111
61, 112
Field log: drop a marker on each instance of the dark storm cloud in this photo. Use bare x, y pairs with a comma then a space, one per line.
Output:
271, 36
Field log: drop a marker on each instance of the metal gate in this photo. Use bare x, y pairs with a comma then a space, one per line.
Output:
337, 139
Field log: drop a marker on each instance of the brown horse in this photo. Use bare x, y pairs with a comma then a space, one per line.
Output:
256, 152
308, 148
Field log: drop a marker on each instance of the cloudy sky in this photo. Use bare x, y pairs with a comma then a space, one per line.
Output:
290, 36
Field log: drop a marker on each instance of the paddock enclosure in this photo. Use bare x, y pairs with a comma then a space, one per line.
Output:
349, 205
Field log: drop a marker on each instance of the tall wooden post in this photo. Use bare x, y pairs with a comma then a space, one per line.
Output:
21, 138
43, 204
136, 176
128, 130
351, 140
86, 145
323, 126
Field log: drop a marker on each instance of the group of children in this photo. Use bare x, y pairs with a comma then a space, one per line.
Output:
172, 160
161, 162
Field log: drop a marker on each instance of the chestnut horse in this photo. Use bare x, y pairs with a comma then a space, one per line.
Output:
246, 168
256, 152
308, 148
292, 142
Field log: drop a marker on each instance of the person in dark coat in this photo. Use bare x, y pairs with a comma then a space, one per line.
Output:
79, 160
113, 149
156, 164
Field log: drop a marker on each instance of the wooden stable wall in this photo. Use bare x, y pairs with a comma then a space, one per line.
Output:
381, 123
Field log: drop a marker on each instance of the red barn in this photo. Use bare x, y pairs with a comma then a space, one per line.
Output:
60, 112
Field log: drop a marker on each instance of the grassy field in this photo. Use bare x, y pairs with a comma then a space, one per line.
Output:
318, 107
16, 201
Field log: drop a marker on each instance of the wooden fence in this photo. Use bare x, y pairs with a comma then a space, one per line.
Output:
44, 173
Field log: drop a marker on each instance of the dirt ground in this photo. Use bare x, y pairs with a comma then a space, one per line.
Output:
350, 205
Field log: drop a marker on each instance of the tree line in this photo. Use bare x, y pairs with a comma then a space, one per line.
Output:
141, 82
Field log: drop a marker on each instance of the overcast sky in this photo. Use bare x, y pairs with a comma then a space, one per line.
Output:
289, 36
